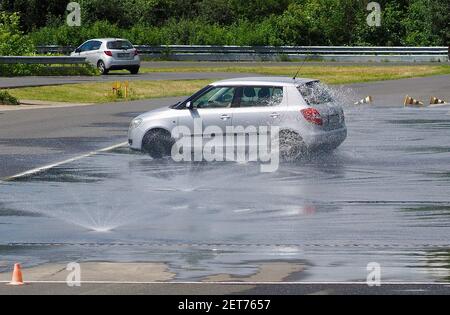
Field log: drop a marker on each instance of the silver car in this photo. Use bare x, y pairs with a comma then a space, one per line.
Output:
110, 54
304, 110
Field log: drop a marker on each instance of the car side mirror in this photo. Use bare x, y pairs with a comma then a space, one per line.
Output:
78, 50
189, 105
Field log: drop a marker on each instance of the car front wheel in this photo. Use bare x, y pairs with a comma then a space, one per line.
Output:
158, 143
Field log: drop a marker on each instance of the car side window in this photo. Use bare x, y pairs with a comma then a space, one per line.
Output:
96, 45
217, 97
261, 96
86, 46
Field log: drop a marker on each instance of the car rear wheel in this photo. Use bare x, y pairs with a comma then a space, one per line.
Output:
292, 146
134, 70
158, 143
102, 68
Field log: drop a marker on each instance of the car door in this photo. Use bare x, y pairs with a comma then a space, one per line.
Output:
210, 115
91, 52
94, 54
84, 50
79, 50
258, 108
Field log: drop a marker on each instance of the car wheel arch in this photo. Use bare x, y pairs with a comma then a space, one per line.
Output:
154, 130
292, 131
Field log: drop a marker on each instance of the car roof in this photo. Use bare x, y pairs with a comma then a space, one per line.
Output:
108, 39
265, 81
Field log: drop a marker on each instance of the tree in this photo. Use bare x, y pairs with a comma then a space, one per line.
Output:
12, 40
390, 33
35, 13
418, 24
14, 43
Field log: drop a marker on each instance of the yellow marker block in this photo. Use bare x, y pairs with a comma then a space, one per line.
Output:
126, 85
116, 87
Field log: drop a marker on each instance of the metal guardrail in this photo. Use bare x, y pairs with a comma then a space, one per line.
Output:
252, 53
53, 49
43, 60
300, 50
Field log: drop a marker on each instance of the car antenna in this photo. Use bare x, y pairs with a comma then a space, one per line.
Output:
301, 66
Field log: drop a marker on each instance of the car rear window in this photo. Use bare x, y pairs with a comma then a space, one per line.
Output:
315, 93
120, 45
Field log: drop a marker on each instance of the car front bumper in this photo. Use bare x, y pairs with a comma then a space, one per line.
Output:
135, 136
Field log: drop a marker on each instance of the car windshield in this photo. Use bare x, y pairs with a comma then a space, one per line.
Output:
216, 97
315, 93
120, 45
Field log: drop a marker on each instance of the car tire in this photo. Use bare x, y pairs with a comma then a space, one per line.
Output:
134, 70
158, 143
102, 68
292, 146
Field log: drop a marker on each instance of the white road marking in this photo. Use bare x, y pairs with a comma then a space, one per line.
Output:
50, 166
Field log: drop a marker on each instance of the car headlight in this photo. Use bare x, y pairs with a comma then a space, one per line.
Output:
135, 123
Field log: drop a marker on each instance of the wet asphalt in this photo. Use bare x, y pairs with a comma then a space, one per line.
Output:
37, 137
230, 289
382, 197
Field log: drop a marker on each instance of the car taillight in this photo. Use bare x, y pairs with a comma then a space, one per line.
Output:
108, 53
312, 115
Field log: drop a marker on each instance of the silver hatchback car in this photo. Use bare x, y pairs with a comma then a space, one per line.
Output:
110, 54
305, 112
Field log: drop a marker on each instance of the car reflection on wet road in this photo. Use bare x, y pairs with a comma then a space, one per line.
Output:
382, 197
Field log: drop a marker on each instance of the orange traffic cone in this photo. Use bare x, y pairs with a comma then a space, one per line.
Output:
437, 101
409, 101
367, 100
17, 278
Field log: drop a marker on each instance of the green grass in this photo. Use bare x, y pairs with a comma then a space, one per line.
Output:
327, 73
101, 92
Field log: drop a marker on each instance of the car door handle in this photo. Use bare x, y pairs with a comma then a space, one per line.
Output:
225, 117
275, 115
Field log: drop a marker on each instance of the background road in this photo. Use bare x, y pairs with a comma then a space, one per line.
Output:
44, 81
59, 80
32, 138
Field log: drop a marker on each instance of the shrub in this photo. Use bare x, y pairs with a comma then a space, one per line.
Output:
14, 43
8, 99
12, 40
